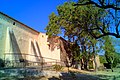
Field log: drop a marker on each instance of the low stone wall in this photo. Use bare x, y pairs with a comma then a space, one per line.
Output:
28, 72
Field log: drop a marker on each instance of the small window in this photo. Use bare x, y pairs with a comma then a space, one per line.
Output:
13, 23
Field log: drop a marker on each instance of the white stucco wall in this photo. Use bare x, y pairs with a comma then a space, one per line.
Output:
17, 38
3, 30
46, 51
20, 40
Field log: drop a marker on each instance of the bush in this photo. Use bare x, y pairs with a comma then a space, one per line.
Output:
115, 62
90, 65
57, 67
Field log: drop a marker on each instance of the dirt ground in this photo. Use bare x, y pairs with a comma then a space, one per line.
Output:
78, 75
73, 74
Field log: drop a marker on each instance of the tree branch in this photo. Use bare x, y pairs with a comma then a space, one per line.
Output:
106, 34
101, 2
117, 28
100, 6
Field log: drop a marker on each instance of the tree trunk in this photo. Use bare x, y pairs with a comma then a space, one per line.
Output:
94, 58
111, 67
86, 65
77, 65
82, 66
95, 63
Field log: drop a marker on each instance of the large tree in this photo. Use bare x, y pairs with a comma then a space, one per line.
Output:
74, 22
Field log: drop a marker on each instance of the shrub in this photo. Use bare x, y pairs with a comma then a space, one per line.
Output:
57, 67
90, 65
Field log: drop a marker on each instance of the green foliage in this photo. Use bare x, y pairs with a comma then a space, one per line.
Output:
90, 64
116, 59
111, 57
118, 56
74, 22
73, 19
53, 26
76, 52
108, 46
102, 59
57, 67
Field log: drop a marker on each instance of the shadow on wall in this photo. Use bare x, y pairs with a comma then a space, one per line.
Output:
35, 51
15, 48
38, 48
17, 52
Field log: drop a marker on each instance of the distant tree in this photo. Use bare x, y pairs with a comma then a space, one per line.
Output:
116, 59
110, 58
109, 52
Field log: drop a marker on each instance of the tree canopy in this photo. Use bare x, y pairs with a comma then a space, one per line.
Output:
111, 21
74, 22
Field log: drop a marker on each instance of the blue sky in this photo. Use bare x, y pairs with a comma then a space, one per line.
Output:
34, 13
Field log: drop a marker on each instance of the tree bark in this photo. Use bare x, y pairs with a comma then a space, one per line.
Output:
86, 65
94, 58
95, 63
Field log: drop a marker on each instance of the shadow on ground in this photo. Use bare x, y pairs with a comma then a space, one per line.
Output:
74, 76
78, 76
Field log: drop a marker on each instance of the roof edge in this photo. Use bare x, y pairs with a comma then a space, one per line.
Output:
19, 22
